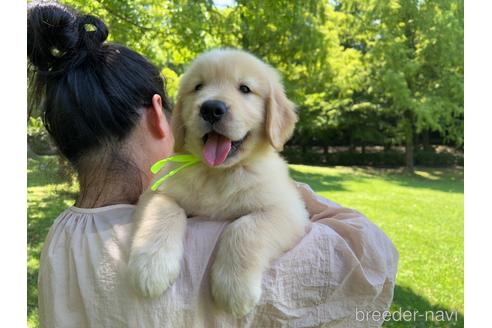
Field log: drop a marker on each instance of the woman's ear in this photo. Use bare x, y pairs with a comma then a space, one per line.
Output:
281, 116
156, 119
178, 127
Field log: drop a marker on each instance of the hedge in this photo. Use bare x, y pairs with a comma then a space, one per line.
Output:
381, 159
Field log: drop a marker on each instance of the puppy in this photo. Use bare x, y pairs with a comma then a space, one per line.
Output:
232, 113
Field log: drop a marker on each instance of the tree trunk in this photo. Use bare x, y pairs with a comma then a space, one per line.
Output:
409, 160
325, 149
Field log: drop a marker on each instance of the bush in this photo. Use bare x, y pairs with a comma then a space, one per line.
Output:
433, 159
379, 159
460, 161
309, 157
384, 159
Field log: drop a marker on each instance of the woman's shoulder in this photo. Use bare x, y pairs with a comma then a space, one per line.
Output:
112, 213
76, 224
344, 262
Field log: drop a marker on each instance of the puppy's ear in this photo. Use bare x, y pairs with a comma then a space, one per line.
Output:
178, 127
281, 116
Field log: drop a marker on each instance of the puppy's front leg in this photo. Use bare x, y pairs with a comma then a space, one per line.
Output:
246, 248
157, 245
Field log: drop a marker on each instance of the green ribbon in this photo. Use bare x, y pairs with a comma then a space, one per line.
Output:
186, 160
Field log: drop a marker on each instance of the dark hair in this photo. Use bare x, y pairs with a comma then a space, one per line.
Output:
90, 93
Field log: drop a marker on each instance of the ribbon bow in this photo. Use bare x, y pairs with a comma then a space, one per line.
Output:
186, 160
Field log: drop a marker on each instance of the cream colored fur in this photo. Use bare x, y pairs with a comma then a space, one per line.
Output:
252, 188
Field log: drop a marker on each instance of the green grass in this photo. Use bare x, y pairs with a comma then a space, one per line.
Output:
422, 213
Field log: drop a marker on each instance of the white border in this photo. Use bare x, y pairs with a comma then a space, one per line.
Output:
13, 93
478, 120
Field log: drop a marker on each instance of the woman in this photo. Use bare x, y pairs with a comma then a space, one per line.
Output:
105, 107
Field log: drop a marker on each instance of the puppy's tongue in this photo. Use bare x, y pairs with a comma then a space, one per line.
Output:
216, 149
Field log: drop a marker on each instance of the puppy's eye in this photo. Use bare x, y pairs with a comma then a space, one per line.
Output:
244, 88
198, 86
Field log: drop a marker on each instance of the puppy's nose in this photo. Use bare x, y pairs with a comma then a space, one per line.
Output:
213, 110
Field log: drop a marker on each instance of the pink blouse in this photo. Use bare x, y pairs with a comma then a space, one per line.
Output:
343, 267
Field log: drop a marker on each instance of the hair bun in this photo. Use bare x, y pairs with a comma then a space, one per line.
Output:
56, 35
92, 32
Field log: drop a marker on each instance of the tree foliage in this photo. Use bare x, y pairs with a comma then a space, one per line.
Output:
361, 71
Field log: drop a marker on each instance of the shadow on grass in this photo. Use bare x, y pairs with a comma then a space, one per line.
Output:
426, 314
319, 182
445, 180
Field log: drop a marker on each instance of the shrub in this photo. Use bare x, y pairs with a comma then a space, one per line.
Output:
309, 157
379, 159
384, 159
433, 159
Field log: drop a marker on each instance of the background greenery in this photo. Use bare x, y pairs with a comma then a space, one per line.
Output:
377, 83
364, 73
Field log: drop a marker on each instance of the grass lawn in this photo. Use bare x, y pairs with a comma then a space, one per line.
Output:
421, 213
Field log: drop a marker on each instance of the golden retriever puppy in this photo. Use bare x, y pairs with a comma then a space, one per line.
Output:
233, 114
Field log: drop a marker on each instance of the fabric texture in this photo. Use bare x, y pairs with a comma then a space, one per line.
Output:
344, 264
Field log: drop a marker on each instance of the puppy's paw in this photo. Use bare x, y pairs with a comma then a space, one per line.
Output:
235, 292
152, 274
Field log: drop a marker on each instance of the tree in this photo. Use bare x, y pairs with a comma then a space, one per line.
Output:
416, 60
361, 72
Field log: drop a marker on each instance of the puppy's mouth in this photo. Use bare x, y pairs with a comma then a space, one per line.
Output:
218, 148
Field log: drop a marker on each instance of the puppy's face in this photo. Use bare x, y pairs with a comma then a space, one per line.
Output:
229, 104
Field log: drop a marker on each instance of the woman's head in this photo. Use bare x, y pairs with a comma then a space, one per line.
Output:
92, 94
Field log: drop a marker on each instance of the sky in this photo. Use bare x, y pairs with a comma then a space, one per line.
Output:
224, 3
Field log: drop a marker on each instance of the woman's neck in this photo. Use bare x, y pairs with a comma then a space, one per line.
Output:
109, 179
105, 195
